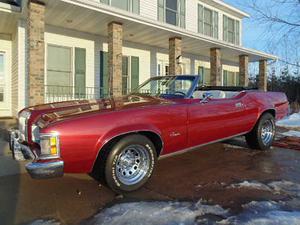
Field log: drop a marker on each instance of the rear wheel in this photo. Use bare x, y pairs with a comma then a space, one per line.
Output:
130, 163
263, 134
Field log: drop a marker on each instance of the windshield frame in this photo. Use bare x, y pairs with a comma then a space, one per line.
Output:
188, 94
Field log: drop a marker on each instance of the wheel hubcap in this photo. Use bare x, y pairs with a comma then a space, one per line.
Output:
267, 132
132, 164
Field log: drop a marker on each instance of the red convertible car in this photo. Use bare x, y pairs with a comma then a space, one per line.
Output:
120, 139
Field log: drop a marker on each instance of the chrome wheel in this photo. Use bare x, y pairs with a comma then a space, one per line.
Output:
132, 164
267, 132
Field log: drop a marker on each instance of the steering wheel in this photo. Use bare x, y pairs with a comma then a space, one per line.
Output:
179, 92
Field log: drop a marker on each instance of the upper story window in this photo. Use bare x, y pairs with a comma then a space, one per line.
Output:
231, 30
208, 22
128, 5
172, 12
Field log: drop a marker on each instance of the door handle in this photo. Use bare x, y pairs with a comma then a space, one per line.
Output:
239, 105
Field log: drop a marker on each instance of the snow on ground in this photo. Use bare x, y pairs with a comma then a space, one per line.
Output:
251, 185
189, 213
264, 213
292, 121
146, 213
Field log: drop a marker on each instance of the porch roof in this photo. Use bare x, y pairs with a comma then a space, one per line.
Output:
92, 17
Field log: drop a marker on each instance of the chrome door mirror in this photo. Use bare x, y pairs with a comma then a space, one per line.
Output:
206, 97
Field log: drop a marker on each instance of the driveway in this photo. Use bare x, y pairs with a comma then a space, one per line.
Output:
225, 175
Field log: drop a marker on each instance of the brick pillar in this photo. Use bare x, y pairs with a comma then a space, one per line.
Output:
244, 70
36, 48
174, 53
262, 77
215, 67
115, 39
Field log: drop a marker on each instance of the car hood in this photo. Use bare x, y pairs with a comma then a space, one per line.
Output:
54, 112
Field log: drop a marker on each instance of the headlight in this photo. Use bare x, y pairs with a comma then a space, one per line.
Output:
49, 144
35, 133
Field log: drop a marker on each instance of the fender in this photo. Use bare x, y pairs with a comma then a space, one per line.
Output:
118, 131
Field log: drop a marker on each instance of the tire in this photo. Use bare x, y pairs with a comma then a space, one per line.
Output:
263, 134
129, 163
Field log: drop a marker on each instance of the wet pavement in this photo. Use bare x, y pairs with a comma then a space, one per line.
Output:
217, 174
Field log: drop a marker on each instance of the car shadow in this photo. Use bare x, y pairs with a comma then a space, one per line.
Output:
9, 170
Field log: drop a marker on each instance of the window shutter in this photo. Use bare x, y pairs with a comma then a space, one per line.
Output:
103, 74
80, 65
237, 77
161, 10
225, 78
135, 72
201, 74
182, 13
225, 28
216, 25
200, 18
237, 32
105, 1
136, 6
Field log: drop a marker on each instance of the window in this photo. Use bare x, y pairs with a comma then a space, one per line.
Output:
60, 77
163, 68
130, 73
204, 74
128, 5
230, 78
59, 66
231, 30
2, 77
208, 22
172, 12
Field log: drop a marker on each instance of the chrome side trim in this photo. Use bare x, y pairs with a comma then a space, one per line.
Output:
198, 146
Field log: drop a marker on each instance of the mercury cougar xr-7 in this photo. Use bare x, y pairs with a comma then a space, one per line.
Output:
119, 139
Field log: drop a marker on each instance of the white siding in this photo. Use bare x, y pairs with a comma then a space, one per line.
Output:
148, 9
22, 66
6, 47
191, 15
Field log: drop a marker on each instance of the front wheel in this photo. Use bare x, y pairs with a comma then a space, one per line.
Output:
130, 163
263, 134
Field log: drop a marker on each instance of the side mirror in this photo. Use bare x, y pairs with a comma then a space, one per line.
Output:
206, 97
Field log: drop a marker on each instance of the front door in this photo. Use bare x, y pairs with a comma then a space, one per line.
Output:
215, 120
5, 98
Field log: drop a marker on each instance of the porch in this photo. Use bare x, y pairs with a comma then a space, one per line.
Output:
106, 51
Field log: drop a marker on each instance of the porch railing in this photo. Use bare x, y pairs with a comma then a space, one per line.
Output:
55, 93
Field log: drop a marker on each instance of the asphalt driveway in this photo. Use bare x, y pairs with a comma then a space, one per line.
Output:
215, 174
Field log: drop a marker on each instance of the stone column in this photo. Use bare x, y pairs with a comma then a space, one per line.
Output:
174, 55
262, 77
215, 67
36, 51
244, 70
115, 39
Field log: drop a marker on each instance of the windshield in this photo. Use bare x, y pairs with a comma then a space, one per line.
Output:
168, 86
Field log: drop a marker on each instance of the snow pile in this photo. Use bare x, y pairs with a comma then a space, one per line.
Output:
292, 121
291, 133
264, 213
156, 213
250, 185
286, 187
45, 222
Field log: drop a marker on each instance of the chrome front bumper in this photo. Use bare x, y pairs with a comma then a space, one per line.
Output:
37, 169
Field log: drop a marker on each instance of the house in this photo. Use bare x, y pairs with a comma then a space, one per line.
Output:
53, 50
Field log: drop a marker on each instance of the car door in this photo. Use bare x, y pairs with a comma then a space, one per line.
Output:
215, 120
